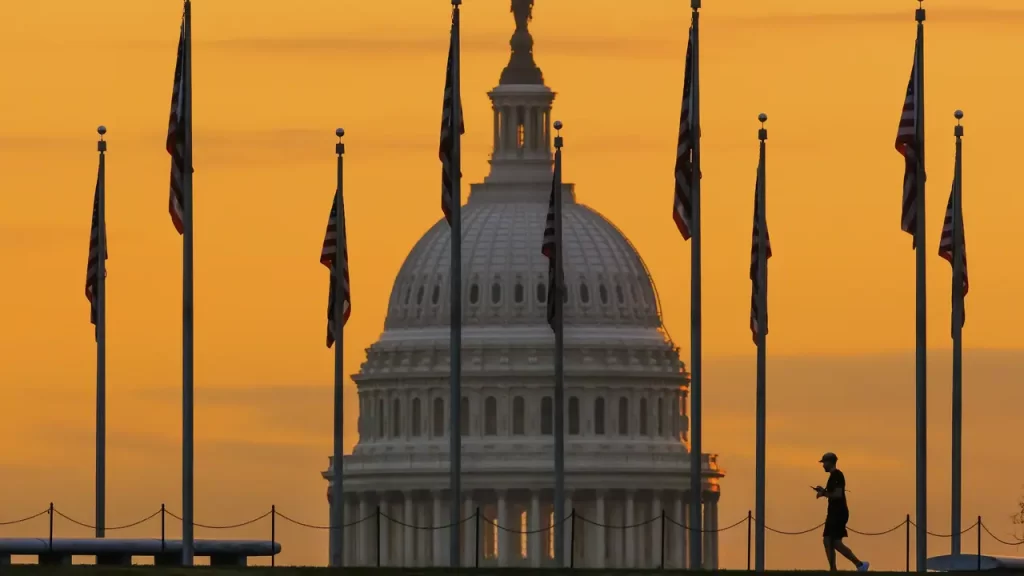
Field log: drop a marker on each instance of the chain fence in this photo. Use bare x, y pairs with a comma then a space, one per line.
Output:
575, 522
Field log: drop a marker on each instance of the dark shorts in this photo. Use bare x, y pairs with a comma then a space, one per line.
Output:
835, 526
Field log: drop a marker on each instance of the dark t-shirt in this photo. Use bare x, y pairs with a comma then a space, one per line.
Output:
837, 506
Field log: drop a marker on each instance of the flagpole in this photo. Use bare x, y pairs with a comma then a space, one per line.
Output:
455, 401
101, 340
696, 460
922, 313
559, 504
188, 474
958, 311
762, 337
337, 523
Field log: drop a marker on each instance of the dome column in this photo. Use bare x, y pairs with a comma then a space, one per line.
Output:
504, 554
534, 538
710, 540
657, 538
424, 553
497, 127
599, 532
679, 534
363, 531
385, 532
567, 546
469, 535
630, 534
438, 536
351, 544
408, 536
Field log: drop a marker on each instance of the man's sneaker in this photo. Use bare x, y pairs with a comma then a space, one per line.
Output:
863, 566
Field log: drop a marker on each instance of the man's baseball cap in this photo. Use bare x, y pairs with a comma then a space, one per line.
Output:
828, 457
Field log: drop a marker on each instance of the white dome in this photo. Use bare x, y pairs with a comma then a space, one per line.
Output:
625, 387
504, 274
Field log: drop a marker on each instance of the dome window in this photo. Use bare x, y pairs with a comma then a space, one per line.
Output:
495, 293
490, 416
396, 418
474, 293
464, 416
602, 292
436, 294
632, 293
416, 419
661, 417
547, 414
623, 416
584, 293
419, 296
542, 292
519, 293
408, 294
518, 416
438, 417
619, 295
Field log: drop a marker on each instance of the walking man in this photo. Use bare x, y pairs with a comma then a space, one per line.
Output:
838, 514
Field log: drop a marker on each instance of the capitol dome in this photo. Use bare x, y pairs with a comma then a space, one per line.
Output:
505, 274
626, 457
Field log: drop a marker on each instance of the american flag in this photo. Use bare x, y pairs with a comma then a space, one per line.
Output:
93, 268
176, 139
327, 254
946, 249
682, 206
755, 265
907, 140
549, 248
447, 133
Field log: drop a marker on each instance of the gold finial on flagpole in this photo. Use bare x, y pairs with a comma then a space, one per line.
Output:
958, 131
102, 144
558, 135
762, 134
340, 146
919, 15
456, 2
695, 4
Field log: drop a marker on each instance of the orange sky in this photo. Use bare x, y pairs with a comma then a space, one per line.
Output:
272, 83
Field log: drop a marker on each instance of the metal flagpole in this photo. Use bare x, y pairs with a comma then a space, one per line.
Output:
922, 312
559, 504
958, 311
696, 459
187, 327
762, 337
337, 523
101, 340
455, 402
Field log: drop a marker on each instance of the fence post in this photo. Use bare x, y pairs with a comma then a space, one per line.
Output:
907, 524
378, 536
273, 531
572, 538
662, 566
979, 543
51, 526
750, 518
476, 539
163, 527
